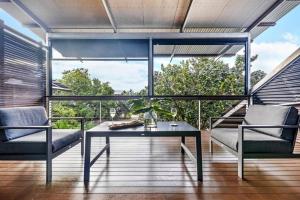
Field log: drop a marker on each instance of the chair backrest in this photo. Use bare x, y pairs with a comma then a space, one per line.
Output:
21, 116
273, 115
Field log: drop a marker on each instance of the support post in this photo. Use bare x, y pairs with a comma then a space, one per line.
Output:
150, 69
247, 79
49, 67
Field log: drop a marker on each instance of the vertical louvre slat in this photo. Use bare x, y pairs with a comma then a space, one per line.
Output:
23, 73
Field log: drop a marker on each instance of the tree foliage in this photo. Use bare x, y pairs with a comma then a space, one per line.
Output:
202, 76
194, 76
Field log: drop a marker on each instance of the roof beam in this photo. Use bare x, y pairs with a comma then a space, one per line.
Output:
29, 13
206, 36
109, 15
31, 25
266, 24
257, 22
263, 15
186, 17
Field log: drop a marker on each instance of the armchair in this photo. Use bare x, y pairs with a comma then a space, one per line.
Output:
26, 134
267, 132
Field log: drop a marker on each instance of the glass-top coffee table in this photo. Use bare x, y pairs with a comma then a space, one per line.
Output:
164, 129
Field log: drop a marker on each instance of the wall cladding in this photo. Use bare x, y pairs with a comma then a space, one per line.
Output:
284, 88
22, 72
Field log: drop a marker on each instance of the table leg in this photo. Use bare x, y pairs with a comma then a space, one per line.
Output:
182, 141
108, 149
199, 157
87, 158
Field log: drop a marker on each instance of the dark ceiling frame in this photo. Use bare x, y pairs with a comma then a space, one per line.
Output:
170, 39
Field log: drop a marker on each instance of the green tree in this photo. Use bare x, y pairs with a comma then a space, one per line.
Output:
195, 76
80, 83
201, 76
256, 76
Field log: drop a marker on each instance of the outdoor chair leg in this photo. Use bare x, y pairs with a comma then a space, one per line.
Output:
182, 141
241, 167
107, 141
241, 153
49, 156
49, 170
211, 150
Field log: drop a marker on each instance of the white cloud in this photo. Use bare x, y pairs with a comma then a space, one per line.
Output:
271, 54
291, 37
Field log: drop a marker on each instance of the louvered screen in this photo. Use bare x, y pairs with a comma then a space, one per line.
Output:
22, 73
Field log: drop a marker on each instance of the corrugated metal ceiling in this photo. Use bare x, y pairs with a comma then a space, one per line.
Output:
224, 16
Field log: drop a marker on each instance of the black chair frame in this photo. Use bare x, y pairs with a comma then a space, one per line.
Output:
240, 153
49, 155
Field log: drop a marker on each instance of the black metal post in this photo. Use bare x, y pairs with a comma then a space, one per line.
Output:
247, 84
150, 69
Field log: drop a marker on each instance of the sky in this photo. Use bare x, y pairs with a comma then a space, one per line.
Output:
272, 47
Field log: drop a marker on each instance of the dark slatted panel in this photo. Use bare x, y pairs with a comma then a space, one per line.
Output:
283, 88
23, 78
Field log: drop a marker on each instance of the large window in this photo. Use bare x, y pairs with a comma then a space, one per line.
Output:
183, 67
192, 70
99, 78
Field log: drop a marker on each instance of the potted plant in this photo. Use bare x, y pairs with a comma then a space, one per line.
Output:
150, 109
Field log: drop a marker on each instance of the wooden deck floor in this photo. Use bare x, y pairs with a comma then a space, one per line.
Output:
151, 168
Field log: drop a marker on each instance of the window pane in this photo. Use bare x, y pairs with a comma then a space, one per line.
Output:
198, 70
98, 78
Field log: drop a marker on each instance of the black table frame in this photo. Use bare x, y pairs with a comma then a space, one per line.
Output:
145, 133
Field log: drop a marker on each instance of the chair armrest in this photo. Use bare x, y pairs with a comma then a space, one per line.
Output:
47, 128
242, 127
268, 126
25, 127
78, 118
212, 118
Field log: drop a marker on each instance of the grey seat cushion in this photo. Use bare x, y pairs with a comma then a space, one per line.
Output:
21, 116
36, 143
273, 115
254, 142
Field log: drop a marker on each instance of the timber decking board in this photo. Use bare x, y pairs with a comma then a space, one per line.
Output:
151, 168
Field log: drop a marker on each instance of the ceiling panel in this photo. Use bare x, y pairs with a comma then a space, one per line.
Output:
275, 15
200, 50
81, 16
69, 13
227, 13
148, 13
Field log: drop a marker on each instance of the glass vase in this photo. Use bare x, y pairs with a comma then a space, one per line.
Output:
150, 119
